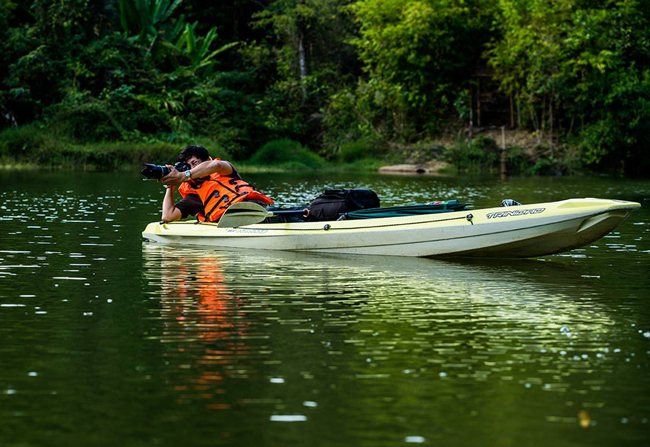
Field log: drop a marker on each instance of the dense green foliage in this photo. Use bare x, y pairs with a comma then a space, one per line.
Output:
287, 154
348, 79
31, 146
583, 64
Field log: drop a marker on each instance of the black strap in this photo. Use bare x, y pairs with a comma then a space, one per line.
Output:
221, 199
224, 198
231, 190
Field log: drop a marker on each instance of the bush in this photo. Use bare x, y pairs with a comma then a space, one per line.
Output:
421, 152
110, 156
20, 142
481, 154
517, 160
45, 147
365, 164
546, 166
288, 154
221, 108
358, 150
83, 118
138, 113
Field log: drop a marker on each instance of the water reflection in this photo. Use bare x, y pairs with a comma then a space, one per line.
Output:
308, 332
202, 324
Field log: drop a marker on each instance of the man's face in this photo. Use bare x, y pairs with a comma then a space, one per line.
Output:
194, 161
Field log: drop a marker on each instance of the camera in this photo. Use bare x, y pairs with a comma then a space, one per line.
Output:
156, 172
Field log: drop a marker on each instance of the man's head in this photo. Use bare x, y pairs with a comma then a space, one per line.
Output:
194, 151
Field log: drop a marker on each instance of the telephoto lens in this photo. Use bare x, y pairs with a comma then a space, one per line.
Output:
152, 171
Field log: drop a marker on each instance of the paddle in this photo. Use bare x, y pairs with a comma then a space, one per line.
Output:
243, 213
249, 213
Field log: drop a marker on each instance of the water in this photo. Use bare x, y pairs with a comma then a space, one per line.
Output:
108, 340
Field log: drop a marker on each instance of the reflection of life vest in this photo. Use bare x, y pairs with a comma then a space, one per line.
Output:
219, 193
202, 317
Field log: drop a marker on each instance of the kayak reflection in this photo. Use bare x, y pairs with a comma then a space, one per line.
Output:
224, 282
358, 330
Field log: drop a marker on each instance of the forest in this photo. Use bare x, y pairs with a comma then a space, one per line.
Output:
338, 80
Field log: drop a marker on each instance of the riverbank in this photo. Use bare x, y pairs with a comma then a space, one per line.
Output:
32, 147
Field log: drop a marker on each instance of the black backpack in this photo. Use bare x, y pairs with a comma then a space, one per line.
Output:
334, 202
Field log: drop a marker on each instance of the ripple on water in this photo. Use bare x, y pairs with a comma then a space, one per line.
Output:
354, 342
377, 314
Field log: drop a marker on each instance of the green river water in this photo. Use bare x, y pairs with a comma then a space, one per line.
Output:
107, 340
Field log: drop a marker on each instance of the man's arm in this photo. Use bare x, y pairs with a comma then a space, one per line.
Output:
169, 211
206, 168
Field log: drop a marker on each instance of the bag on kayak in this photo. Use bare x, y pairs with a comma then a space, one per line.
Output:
335, 202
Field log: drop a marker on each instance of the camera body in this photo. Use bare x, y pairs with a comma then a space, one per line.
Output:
156, 172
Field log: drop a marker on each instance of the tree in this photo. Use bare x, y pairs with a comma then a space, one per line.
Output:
418, 56
303, 59
584, 60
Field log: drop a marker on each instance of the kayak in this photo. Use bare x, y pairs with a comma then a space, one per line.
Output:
519, 231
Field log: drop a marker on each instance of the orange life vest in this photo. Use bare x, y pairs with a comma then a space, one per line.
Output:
219, 193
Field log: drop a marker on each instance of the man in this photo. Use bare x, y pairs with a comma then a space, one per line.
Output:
208, 188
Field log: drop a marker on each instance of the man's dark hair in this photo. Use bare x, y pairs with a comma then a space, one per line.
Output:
197, 151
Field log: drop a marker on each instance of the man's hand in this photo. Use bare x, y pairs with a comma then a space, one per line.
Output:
173, 178
169, 211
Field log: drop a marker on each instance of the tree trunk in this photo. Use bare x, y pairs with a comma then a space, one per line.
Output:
504, 173
550, 119
303, 66
471, 113
512, 111
543, 120
478, 102
535, 119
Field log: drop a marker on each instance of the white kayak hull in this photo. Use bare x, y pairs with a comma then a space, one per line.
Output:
518, 231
